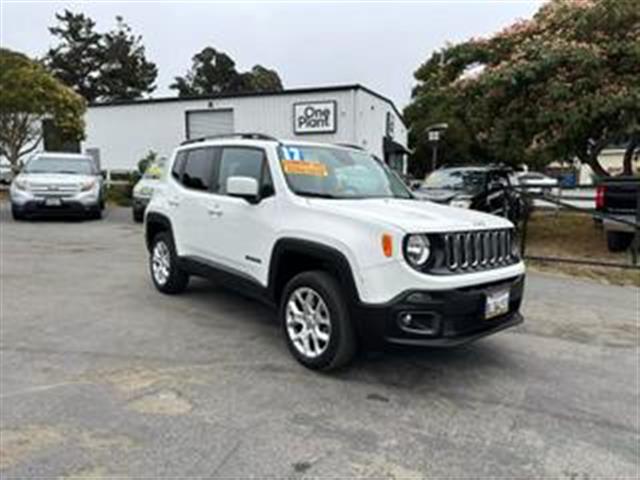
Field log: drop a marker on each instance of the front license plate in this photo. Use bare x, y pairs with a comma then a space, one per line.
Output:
497, 303
53, 202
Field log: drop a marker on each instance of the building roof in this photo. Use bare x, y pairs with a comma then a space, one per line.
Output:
290, 91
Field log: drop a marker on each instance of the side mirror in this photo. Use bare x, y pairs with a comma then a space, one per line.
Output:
243, 187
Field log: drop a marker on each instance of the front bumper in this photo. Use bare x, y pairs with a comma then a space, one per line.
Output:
613, 226
140, 203
455, 316
66, 207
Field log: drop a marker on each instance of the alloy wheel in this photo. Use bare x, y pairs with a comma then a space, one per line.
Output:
308, 322
161, 262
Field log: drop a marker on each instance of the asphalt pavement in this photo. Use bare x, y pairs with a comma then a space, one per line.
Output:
102, 376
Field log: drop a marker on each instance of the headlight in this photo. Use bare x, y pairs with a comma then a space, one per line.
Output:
417, 250
143, 192
460, 203
21, 184
88, 185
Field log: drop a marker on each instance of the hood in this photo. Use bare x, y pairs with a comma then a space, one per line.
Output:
411, 216
57, 179
436, 195
148, 182
445, 195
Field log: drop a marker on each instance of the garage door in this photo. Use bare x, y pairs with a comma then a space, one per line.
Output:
206, 123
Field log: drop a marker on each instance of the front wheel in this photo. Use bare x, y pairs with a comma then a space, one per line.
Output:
166, 274
316, 322
138, 215
16, 213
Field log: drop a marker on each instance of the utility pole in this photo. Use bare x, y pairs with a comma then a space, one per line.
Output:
434, 133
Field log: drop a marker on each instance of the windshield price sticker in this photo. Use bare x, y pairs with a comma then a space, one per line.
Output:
293, 153
297, 167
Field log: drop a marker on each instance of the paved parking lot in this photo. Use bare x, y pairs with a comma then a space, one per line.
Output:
102, 376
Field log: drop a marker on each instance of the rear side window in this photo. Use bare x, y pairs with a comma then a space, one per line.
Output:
198, 169
178, 164
243, 162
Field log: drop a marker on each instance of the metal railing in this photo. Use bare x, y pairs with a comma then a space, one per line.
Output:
561, 201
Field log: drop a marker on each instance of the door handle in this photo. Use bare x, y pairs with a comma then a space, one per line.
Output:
173, 202
214, 211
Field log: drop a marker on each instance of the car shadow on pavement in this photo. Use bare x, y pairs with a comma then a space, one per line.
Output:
392, 366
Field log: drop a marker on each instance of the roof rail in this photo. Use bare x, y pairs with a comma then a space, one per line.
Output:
245, 135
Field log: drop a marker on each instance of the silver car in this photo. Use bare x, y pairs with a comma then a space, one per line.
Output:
151, 181
58, 184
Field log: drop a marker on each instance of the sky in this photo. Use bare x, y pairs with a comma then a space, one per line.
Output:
310, 44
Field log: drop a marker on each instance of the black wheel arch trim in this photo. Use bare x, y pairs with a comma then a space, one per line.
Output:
158, 219
330, 257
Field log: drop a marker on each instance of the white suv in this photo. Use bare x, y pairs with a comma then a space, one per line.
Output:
334, 240
58, 184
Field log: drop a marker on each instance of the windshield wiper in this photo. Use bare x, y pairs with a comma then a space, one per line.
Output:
69, 172
304, 193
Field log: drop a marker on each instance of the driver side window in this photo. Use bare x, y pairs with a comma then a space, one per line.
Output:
245, 162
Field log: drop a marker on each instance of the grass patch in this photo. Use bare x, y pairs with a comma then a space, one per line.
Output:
575, 236
120, 195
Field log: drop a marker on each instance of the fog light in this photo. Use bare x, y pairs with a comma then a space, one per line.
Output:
421, 323
405, 319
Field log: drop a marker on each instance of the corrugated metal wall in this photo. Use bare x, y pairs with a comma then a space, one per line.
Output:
125, 133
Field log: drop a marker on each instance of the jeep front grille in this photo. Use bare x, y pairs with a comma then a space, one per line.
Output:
480, 250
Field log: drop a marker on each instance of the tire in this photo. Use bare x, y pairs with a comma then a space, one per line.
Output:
335, 323
16, 213
138, 215
96, 214
167, 277
619, 241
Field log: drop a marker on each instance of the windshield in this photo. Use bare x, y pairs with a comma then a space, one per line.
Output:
332, 172
77, 166
456, 179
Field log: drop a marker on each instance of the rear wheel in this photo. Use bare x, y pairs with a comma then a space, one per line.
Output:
619, 241
96, 213
316, 322
166, 274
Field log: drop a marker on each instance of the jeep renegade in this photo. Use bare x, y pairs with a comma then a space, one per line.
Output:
334, 240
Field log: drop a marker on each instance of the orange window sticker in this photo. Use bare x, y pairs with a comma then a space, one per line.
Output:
298, 167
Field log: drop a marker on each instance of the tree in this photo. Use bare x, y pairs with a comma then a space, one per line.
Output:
145, 162
213, 72
76, 59
100, 66
29, 95
559, 86
125, 73
264, 79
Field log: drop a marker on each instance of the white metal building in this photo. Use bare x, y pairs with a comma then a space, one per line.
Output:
121, 133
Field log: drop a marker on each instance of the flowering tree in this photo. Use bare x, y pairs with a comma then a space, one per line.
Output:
29, 95
564, 84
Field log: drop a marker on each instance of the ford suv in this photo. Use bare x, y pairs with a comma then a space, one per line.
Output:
332, 239
58, 184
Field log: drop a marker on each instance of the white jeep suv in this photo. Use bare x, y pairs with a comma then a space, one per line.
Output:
333, 239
